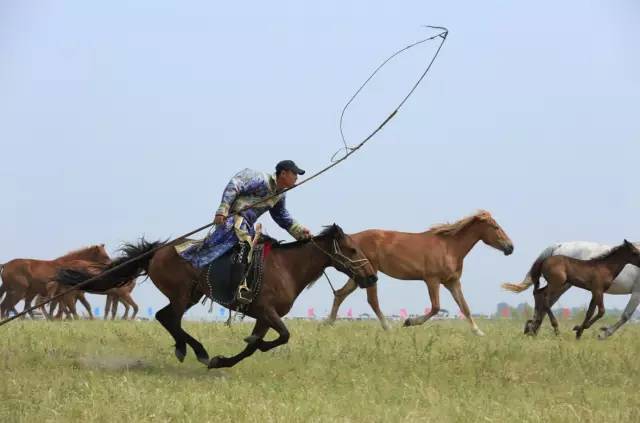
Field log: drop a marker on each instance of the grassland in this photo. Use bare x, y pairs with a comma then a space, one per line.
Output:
95, 371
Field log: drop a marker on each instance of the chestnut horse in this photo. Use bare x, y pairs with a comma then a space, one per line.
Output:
23, 279
435, 256
595, 275
288, 269
68, 301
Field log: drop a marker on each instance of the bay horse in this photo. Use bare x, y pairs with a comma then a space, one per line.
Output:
627, 282
435, 257
595, 275
288, 269
23, 279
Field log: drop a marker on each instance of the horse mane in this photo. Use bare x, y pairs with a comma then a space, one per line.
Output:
76, 254
609, 253
454, 228
328, 231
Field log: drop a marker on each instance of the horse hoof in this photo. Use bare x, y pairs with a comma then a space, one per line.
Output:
204, 360
406, 323
180, 355
216, 362
478, 332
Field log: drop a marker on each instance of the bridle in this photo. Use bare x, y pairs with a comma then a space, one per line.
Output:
337, 255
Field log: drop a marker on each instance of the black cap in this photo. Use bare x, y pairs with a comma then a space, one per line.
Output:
289, 165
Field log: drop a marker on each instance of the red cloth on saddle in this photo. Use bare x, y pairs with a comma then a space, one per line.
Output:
266, 250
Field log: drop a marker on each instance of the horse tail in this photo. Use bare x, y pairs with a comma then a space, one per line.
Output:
136, 256
3, 289
533, 275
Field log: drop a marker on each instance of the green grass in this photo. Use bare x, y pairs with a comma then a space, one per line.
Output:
96, 371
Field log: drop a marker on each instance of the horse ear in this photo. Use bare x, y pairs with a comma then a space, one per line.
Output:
626, 242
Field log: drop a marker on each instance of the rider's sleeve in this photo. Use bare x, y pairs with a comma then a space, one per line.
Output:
282, 217
238, 185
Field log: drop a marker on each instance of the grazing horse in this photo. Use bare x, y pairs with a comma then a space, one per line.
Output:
288, 269
435, 256
627, 282
26, 278
595, 275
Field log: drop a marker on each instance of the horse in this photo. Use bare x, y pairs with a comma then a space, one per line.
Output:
435, 256
625, 283
121, 294
288, 269
595, 275
26, 278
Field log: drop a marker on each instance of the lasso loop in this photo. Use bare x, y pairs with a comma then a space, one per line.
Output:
346, 149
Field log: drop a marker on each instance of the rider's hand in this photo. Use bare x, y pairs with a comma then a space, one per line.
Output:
219, 219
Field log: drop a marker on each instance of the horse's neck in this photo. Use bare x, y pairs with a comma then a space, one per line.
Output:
615, 263
463, 241
306, 263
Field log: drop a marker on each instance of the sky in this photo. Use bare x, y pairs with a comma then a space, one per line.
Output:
127, 119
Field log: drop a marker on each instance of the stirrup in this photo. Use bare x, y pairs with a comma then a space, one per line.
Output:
243, 296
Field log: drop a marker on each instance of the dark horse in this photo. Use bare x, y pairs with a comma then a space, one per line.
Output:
288, 269
595, 275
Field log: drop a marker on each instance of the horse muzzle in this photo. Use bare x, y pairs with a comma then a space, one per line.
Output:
508, 249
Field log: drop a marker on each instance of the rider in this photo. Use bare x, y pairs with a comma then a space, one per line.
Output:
245, 188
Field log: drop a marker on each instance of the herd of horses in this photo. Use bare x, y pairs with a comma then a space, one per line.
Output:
29, 279
435, 256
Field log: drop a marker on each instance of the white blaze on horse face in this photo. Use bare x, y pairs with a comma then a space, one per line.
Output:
583, 250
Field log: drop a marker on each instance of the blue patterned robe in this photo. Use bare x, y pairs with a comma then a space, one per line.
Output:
245, 188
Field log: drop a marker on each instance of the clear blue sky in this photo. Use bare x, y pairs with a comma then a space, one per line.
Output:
121, 119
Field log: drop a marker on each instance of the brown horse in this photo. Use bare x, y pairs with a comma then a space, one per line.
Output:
25, 278
288, 269
435, 256
67, 303
121, 294
595, 275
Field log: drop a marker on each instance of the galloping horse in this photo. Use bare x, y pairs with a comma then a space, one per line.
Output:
625, 283
435, 256
26, 278
288, 269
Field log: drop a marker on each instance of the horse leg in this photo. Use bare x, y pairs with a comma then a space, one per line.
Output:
372, 299
201, 353
127, 300
338, 297
114, 306
168, 320
599, 299
107, 306
434, 296
549, 299
253, 341
455, 288
125, 316
27, 303
86, 305
631, 307
71, 305
580, 328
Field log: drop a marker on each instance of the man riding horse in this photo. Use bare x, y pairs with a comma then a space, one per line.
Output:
245, 188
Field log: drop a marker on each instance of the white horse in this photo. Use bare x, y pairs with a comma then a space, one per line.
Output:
627, 282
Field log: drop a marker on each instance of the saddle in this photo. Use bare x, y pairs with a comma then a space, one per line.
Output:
232, 289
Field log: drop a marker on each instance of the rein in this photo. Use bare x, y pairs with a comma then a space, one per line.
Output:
347, 149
